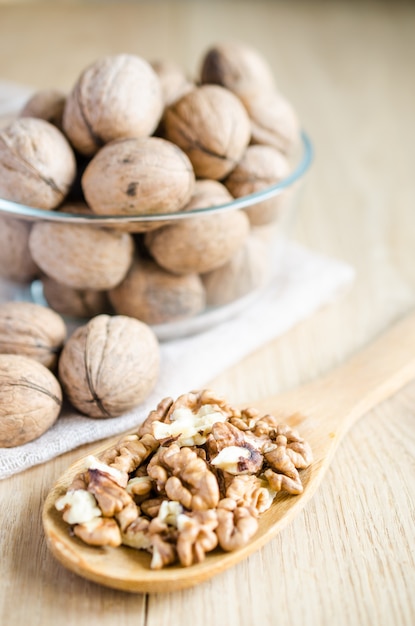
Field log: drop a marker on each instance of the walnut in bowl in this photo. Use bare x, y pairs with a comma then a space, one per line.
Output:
149, 200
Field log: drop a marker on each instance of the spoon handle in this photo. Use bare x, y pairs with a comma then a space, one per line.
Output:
332, 404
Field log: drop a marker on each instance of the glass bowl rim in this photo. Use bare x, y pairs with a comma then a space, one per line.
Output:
23, 211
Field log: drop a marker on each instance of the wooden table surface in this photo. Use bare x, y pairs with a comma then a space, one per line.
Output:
348, 67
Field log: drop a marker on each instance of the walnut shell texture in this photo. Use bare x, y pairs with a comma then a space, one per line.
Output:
37, 164
117, 96
81, 256
239, 67
138, 176
198, 244
74, 302
31, 330
260, 167
16, 263
109, 365
30, 399
246, 271
155, 296
46, 104
212, 126
173, 80
274, 121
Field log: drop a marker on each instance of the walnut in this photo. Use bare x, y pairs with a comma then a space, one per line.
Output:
78, 506
37, 164
151, 506
74, 302
201, 503
290, 452
251, 492
239, 67
47, 104
211, 125
111, 497
196, 536
190, 418
230, 451
109, 365
140, 176
236, 525
173, 80
30, 400
117, 96
31, 330
81, 256
273, 120
136, 535
164, 552
202, 243
184, 477
246, 271
132, 451
260, 167
140, 487
156, 296
159, 414
16, 263
100, 531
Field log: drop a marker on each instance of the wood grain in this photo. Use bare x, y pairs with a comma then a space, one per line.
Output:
348, 67
323, 411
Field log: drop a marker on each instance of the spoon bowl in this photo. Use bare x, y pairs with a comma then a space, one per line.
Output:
322, 411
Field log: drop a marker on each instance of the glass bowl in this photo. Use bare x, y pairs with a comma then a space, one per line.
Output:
227, 290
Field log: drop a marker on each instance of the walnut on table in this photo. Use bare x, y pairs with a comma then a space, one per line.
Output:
197, 475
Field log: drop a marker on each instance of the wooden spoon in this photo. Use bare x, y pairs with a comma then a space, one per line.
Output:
321, 411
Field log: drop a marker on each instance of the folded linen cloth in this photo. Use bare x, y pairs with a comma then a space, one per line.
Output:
303, 282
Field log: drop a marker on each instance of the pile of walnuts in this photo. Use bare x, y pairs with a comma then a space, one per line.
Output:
133, 138
105, 368
197, 475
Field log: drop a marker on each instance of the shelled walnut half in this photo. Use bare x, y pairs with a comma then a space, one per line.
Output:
197, 475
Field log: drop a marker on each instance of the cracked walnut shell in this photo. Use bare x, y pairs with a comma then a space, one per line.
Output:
30, 399
117, 96
109, 365
212, 127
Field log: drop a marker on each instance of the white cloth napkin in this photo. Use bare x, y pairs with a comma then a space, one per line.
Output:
303, 282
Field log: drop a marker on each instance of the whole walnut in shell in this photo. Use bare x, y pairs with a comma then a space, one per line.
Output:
201, 243
31, 330
211, 125
81, 256
173, 80
260, 167
273, 121
109, 365
138, 176
37, 164
74, 302
117, 96
47, 104
246, 271
16, 262
156, 296
30, 399
239, 67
